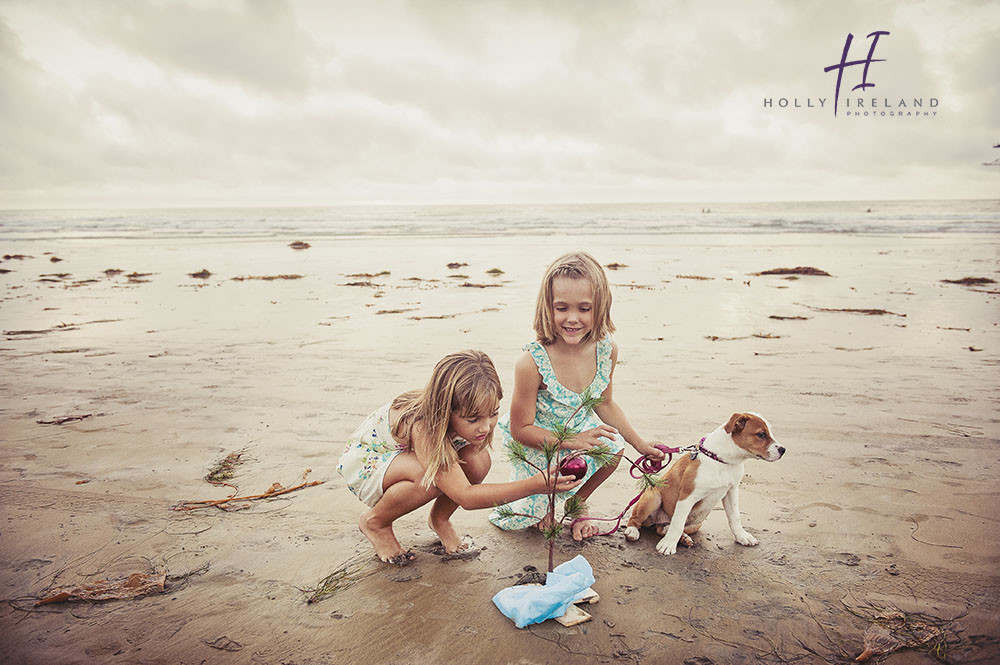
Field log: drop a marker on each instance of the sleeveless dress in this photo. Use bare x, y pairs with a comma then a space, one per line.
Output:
369, 452
554, 405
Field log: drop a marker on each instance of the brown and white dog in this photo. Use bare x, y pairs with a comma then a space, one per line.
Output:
693, 485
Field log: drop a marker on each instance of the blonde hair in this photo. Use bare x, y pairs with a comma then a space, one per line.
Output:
465, 382
576, 265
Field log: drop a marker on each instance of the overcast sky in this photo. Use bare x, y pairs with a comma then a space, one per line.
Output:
120, 103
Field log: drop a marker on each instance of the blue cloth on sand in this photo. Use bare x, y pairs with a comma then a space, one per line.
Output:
526, 604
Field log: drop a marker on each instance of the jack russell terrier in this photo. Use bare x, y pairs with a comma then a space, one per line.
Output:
693, 485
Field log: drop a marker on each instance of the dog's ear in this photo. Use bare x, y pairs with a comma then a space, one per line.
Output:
736, 423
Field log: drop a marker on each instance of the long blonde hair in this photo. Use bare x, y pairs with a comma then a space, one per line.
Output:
465, 382
576, 265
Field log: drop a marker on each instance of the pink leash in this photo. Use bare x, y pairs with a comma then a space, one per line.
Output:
639, 467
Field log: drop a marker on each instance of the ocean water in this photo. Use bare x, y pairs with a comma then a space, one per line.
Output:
851, 217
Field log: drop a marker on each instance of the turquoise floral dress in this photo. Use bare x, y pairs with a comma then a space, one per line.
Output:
554, 405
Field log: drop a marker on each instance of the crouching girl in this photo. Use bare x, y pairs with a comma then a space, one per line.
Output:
433, 445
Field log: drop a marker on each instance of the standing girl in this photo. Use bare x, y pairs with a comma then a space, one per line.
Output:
572, 355
432, 444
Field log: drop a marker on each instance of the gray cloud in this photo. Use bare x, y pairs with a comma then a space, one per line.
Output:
309, 102
258, 44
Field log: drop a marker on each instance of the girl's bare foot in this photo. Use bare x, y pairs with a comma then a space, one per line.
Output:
585, 528
543, 523
445, 530
383, 539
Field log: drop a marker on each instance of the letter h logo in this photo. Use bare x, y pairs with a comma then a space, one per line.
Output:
844, 63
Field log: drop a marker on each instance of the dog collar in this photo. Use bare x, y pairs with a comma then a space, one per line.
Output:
708, 453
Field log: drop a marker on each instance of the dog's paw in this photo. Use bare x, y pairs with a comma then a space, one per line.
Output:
631, 533
667, 546
746, 539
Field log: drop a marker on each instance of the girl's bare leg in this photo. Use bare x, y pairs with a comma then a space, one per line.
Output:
590, 528
475, 464
403, 494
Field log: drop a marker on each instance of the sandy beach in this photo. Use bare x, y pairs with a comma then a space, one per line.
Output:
119, 394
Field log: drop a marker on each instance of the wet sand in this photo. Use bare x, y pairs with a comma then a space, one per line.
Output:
122, 390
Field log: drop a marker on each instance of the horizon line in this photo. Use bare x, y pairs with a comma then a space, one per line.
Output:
430, 204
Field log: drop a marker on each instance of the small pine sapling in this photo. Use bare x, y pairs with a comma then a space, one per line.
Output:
559, 460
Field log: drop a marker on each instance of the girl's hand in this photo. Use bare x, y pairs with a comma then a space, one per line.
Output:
649, 449
592, 437
563, 483
566, 483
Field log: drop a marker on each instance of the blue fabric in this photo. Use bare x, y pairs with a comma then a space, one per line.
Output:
525, 604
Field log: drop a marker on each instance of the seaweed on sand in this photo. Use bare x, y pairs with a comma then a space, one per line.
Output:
892, 629
267, 278
369, 275
135, 585
970, 281
62, 420
866, 312
350, 572
799, 270
225, 469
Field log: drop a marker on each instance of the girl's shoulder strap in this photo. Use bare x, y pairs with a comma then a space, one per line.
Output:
603, 375
541, 357
604, 347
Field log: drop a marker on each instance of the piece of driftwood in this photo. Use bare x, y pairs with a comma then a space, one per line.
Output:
276, 489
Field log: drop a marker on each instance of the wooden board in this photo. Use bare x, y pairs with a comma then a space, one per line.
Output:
574, 616
589, 596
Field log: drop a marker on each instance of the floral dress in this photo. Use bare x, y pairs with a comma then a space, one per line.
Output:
555, 403
367, 456
369, 452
